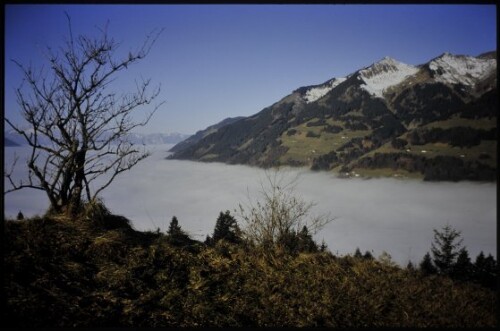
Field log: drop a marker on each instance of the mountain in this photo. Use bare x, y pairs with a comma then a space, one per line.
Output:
156, 138
9, 143
436, 121
14, 139
203, 133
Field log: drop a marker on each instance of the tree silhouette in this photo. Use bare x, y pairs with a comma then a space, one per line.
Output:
306, 242
485, 270
426, 266
357, 253
445, 249
20, 216
176, 235
174, 228
463, 267
226, 228
368, 256
78, 126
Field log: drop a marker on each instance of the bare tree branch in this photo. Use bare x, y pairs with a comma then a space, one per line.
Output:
279, 212
78, 127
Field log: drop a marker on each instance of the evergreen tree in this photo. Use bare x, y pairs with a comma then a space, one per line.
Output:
410, 266
357, 253
368, 256
20, 216
226, 228
174, 228
426, 266
462, 269
297, 242
491, 272
445, 249
176, 235
306, 242
485, 270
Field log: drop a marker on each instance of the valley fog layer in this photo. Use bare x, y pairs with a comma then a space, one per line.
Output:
377, 214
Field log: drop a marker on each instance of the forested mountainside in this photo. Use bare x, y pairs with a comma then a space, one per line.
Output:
435, 121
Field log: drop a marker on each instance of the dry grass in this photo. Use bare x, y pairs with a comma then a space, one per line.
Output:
62, 273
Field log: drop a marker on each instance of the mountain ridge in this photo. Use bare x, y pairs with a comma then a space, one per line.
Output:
342, 123
13, 139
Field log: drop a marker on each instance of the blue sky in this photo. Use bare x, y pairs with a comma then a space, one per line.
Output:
218, 61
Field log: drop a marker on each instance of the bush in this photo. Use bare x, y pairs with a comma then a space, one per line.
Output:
66, 273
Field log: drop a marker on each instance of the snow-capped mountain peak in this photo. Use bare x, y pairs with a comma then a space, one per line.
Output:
383, 74
319, 91
460, 69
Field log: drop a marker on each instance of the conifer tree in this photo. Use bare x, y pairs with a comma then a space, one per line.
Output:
368, 256
485, 270
426, 266
357, 253
305, 241
20, 216
445, 249
175, 234
462, 269
174, 227
226, 228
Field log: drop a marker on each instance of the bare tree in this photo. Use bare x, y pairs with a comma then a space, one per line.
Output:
279, 212
78, 127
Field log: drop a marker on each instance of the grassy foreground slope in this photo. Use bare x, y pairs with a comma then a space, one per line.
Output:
98, 271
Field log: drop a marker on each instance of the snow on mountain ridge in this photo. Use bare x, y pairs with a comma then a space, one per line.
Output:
384, 74
460, 69
316, 93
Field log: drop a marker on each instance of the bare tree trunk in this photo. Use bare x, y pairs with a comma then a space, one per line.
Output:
86, 125
76, 195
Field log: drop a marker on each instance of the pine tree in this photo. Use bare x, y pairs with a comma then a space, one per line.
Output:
426, 266
226, 228
20, 216
462, 269
368, 256
445, 249
485, 270
306, 242
174, 228
357, 253
176, 235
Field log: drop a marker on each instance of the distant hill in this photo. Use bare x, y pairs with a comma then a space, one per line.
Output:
203, 133
157, 138
9, 143
14, 139
435, 121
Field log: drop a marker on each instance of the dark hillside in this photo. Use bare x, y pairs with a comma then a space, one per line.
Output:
98, 271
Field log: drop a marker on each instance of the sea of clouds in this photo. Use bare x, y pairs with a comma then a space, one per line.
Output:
396, 216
